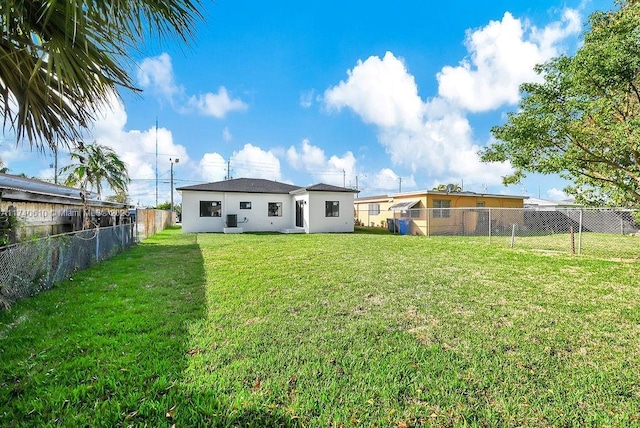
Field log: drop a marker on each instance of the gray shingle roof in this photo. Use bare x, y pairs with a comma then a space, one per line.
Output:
244, 185
259, 185
322, 187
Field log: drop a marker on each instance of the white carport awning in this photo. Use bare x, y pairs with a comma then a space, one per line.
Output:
403, 206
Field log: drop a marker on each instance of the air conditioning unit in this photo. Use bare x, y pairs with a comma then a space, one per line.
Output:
232, 220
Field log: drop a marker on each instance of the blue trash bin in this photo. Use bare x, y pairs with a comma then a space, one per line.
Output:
404, 226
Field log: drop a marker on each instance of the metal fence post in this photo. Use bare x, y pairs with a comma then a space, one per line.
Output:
580, 234
97, 245
489, 209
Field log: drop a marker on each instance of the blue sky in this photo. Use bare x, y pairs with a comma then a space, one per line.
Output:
391, 95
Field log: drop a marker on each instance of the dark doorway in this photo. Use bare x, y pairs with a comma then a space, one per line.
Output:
299, 213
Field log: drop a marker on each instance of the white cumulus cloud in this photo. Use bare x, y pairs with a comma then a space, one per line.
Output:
335, 170
434, 137
212, 167
217, 104
254, 162
381, 91
249, 162
156, 73
501, 57
387, 181
556, 194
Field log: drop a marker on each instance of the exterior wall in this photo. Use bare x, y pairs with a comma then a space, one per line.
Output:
367, 218
255, 219
320, 223
459, 220
191, 220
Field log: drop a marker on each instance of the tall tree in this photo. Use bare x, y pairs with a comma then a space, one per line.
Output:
583, 120
60, 60
93, 165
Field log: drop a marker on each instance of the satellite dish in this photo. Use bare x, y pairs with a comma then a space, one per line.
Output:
450, 188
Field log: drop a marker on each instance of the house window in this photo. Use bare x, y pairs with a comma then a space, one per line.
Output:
374, 209
332, 209
275, 209
415, 212
210, 209
245, 205
443, 205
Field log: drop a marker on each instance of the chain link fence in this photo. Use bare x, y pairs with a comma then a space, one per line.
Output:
610, 233
29, 267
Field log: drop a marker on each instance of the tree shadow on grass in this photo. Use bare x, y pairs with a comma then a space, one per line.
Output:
109, 347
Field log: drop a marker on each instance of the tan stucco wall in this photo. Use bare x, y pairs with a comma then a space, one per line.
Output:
367, 218
459, 220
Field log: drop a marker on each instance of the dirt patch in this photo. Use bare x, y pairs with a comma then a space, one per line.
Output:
252, 321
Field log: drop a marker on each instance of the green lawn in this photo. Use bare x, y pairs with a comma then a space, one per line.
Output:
327, 330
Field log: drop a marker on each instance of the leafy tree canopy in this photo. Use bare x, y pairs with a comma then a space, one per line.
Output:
121, 198
445, 187
62, 60
167, 206
583, 120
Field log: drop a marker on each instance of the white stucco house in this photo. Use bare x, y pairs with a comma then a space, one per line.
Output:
547, 205
258, 205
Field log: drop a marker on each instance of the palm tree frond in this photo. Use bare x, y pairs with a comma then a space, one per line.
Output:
61, 61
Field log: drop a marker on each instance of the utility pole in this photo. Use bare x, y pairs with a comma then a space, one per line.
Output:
55, 165
228, 176
156, 161
344, 178
357, 187
400, 185
172, 162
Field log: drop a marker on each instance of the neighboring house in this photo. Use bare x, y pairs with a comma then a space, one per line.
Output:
547, 205
258, 205
432, 212
373, 210
39, 208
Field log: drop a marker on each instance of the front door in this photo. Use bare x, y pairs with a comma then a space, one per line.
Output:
299, 213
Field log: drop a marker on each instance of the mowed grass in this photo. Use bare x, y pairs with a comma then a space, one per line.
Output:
327, 330
588, 244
